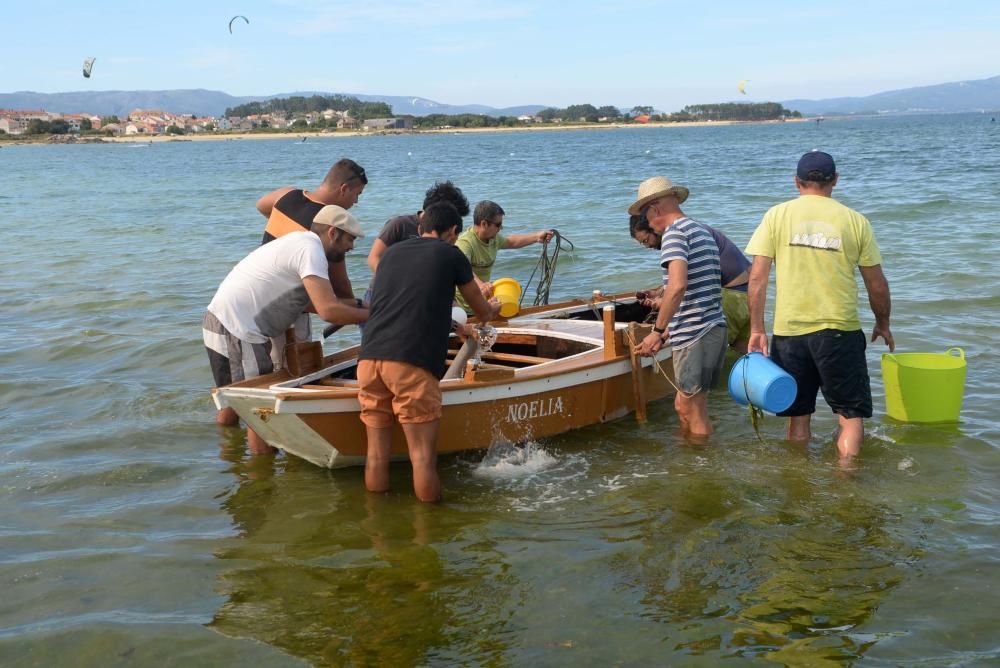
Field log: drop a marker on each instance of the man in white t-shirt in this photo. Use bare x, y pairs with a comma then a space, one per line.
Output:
264, 294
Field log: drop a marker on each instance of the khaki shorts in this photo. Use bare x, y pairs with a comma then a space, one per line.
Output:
391, 390
698, 367
737, 313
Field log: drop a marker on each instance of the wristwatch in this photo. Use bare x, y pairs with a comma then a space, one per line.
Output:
659, 331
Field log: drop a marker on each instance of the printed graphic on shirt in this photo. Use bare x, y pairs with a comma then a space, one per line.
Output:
816, 234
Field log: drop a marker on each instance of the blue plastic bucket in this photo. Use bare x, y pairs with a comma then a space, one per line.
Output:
756, 380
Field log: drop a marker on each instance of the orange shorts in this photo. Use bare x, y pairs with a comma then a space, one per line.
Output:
396, 390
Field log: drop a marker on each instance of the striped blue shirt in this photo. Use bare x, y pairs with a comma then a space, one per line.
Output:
701, 307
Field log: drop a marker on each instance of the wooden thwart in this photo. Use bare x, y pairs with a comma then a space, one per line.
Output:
487, 373
302, 358
636, 333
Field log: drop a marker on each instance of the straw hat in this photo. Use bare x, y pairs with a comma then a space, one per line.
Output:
654, 189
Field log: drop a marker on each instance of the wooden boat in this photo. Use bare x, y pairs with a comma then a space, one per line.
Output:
552, 369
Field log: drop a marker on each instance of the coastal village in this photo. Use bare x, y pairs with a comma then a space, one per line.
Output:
154, 122
157, 122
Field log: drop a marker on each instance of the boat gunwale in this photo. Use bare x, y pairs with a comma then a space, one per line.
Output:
294, 402
521, 324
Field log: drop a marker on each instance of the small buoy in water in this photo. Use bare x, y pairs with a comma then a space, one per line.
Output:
512, 154
647, 150
409, 153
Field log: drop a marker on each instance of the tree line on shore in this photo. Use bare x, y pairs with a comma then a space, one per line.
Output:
360, 111
588, 113
298, 104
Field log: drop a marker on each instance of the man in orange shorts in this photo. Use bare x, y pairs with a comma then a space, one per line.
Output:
405, 344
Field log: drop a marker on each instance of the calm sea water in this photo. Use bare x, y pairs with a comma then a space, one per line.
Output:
133, 531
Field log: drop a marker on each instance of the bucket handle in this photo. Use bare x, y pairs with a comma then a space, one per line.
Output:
961, 353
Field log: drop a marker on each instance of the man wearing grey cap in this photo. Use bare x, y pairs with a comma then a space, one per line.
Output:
816, 242
265, 293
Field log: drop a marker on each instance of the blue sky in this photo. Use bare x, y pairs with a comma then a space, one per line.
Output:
660, 53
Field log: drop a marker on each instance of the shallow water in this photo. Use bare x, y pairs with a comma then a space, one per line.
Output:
135, 532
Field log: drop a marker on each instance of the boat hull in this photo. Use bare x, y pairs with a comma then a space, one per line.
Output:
570, 381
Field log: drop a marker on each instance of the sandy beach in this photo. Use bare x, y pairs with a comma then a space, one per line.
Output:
240, 136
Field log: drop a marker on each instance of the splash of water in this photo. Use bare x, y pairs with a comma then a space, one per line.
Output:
505, 460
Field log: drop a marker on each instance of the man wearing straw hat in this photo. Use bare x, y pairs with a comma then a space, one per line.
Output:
816, 242
692, 300
735, 276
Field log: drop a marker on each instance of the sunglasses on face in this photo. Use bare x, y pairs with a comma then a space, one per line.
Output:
647, 240
495, 224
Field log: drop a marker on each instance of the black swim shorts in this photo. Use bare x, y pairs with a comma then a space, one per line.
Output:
830, 360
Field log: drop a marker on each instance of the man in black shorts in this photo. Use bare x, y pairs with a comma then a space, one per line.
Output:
817, 242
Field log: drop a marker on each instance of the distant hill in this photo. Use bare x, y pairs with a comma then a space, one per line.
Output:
202, 102
948, 97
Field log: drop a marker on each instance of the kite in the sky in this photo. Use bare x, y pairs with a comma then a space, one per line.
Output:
88, 64
743, 86
233, 19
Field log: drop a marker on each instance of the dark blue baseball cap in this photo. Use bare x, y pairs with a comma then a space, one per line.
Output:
816, 166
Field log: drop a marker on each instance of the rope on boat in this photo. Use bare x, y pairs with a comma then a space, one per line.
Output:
659, 368
756, 414
548, 266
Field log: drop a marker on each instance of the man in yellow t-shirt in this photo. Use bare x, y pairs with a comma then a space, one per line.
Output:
481, 243
815, 243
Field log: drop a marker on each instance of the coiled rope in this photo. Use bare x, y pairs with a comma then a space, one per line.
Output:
548, 266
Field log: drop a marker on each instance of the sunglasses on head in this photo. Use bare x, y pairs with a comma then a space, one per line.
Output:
360, 175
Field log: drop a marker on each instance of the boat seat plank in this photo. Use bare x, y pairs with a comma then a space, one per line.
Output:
515, 358
328, 384
509, 357
336, 382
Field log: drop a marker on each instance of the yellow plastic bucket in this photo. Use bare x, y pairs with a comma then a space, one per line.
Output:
508, 291
924, 387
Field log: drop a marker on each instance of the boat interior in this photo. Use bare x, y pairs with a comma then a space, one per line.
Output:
521, 343
627, 309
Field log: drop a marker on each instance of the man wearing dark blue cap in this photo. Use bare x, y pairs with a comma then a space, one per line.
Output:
816, 242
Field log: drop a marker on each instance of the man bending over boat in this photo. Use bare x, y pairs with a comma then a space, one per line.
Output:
400, 228
691, 302
291, 209
481, 243
404, 346
264, 295
735, 269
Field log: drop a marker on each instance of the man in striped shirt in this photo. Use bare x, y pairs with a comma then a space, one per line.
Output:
690, 315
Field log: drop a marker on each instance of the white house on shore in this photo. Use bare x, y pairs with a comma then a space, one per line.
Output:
387, 124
